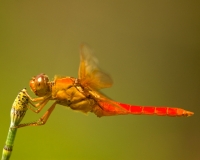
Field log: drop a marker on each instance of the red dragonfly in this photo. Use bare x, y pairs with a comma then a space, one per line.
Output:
82, 93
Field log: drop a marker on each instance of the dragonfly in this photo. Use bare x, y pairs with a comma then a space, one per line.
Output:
83, 93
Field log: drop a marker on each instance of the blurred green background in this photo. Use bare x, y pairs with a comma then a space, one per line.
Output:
152, 51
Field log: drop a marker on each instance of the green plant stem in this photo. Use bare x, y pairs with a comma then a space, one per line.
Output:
17, 113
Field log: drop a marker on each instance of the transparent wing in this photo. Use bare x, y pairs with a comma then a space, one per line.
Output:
90, 74
106, 106
93, 79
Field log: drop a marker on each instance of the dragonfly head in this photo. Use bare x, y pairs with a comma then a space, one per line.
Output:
40, 85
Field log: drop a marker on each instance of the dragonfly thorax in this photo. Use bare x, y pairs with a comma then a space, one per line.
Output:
40, 85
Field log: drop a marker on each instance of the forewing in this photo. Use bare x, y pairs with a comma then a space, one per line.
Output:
89, 72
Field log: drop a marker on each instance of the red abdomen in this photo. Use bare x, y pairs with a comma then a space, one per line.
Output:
160, 111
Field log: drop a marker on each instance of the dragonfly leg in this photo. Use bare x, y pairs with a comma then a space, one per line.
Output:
34, 99
37, 99
40, 106
42, 120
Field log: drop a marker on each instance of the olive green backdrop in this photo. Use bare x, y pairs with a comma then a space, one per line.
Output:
152, 51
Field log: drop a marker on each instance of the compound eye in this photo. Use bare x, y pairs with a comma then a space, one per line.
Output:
40, 81
39, 85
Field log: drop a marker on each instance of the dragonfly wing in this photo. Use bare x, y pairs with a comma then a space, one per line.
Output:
89, 72
106, 106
